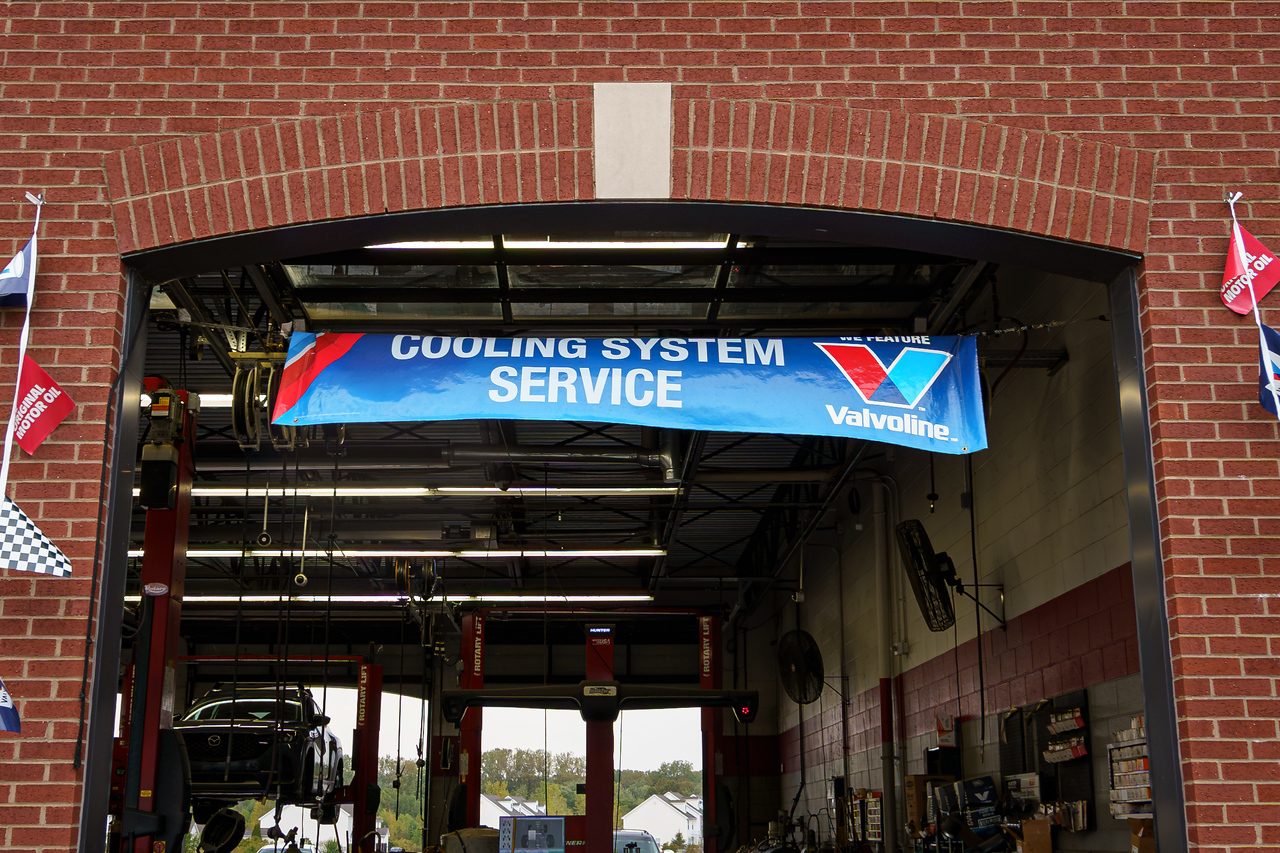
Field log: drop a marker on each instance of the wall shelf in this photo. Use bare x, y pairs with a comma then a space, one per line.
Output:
1130, 772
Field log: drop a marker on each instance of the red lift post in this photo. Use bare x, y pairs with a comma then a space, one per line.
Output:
364, 758
599, 781
710, 678
168, 471
471, 678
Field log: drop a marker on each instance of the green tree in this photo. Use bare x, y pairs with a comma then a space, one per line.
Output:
495, 787
677, 843
403, 787
556, 804
678, 776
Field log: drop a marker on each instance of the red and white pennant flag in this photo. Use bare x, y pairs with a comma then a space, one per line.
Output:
1252, 269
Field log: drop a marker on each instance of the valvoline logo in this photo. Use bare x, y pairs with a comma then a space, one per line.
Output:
901, 384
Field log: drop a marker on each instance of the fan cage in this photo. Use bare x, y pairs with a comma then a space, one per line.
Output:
924, 571
800, 666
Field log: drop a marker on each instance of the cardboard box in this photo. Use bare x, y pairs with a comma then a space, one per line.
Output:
977, 793
1142, 835
946, 725
917, 797
944, 799
1035, 837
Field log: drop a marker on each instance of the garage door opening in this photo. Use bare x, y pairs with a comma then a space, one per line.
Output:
764, 532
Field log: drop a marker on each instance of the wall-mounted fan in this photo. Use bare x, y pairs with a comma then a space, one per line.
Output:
931, 575
800, 666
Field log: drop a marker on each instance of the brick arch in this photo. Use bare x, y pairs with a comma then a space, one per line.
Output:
484, 153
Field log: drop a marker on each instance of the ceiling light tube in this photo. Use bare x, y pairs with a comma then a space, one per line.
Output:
613, 245
436, 244
424, 491
468, 554
484, 598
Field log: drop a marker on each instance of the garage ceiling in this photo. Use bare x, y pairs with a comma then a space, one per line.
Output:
691, 519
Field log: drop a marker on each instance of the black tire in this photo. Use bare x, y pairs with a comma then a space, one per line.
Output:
307, 779
202, 810
338, 774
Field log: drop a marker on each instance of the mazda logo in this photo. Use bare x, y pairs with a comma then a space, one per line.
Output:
214, 740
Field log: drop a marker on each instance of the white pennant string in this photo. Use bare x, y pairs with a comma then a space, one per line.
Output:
38, 201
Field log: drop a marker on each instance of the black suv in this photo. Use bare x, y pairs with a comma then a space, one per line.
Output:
253, 740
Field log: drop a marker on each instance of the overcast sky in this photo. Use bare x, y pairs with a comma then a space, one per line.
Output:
649, 738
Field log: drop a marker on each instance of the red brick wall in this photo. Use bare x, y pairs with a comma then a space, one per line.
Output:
1192, 86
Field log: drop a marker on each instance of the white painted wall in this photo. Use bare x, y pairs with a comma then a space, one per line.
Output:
662, 820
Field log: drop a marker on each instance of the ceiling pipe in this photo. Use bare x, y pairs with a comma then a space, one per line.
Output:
435, 456
362, 531
401, 454
766, 475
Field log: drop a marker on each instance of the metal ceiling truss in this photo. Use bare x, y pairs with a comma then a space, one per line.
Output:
738, 503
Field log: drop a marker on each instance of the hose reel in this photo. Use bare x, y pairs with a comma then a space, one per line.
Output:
246, 408
415, 578
248, 405
283, 437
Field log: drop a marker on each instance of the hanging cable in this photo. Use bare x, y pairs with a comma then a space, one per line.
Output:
973, 544
423, 781
328, 606
235, 660
546, 762
399, 719
617, 775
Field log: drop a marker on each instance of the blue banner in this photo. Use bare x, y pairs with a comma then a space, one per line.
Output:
915, 391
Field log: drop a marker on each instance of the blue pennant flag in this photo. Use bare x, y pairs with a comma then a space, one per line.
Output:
9, 720
1269, 374
16, 278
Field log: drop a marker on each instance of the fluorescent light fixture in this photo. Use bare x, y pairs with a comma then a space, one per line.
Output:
424, 491
551, 599
598, 552
467, 554
436, 244
207, 401
611, 245
485, 598
614, 244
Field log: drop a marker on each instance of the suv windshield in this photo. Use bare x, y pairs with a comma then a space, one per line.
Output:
634, 842
247, 709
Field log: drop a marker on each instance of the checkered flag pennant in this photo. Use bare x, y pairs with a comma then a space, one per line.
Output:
23, 546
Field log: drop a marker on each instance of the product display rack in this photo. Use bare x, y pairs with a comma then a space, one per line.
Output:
1130, 772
